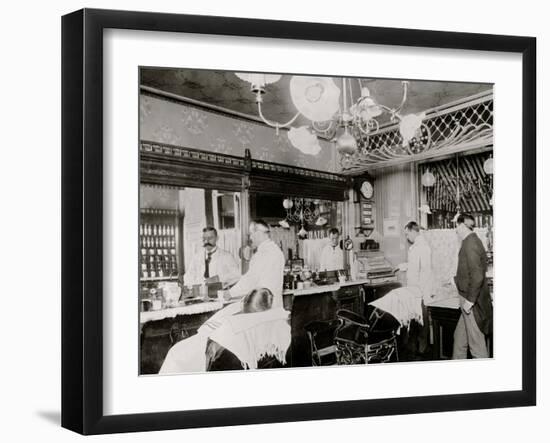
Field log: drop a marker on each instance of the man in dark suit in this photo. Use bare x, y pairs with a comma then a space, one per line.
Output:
476, 319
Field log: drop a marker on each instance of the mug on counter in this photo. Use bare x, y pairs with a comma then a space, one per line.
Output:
146, 305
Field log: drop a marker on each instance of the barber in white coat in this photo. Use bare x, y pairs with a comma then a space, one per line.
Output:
420, 276
332, 256
266, 267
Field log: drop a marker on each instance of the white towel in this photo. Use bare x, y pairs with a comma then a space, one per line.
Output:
255, 335
405, 304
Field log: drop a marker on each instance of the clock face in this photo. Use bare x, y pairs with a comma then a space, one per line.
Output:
367, 190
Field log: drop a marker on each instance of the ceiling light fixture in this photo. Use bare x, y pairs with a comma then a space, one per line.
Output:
344, 121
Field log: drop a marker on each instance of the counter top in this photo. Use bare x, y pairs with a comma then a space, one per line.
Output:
450, 303
197, 308
210, 306
329, 288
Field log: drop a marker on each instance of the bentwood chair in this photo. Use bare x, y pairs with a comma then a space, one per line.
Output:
321, 340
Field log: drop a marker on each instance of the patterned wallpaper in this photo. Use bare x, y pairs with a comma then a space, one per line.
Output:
157, 197
166, 121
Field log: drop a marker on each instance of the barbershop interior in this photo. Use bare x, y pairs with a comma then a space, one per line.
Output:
302, 221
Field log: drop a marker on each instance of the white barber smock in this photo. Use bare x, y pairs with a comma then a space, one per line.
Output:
222, 264
266, 270
419, 268
332, 258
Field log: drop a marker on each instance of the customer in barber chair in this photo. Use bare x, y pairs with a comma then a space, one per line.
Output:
257, 337
265, 271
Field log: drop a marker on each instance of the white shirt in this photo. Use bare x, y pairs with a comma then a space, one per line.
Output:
332, 258
419, 270
265, 271
222, 264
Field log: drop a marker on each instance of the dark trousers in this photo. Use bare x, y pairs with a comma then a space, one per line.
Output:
417, 338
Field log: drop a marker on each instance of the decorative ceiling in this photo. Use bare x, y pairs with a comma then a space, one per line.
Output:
224, 89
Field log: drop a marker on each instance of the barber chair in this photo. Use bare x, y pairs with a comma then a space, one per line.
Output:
361, 340
382, 345
219, 358
352, 339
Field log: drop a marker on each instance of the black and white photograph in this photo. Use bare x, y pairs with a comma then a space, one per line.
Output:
300, 221
275, 221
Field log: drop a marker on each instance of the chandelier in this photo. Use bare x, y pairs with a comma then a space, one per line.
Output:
335, 113
303, 211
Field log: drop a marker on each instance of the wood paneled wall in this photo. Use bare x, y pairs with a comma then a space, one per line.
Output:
395, 193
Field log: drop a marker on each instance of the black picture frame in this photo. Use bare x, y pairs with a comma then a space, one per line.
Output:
82, 218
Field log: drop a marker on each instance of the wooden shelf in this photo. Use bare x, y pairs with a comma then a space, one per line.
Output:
153, 279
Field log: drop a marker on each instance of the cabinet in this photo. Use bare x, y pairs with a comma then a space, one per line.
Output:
157, 337
158, 242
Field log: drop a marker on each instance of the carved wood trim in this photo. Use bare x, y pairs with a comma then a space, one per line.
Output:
186, 167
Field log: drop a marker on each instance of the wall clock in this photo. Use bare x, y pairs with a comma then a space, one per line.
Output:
366, 189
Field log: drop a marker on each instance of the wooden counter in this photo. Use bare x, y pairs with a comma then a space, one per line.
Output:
444, 316
185, 310
163, 328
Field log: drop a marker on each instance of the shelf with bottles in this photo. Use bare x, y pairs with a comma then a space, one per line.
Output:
157, 235
158, 245
156, 263
158, 279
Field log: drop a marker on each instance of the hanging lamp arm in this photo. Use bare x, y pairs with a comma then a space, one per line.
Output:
404, 99
395, 111
275, 125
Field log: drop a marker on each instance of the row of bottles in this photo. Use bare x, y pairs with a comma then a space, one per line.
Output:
156, 230
158, 262
146, 241
159, 266
157, 235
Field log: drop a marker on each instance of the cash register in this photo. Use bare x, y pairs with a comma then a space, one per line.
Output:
373, 266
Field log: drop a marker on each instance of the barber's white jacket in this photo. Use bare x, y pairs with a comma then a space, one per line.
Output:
419, 268
266, 270
332, 258
222, 264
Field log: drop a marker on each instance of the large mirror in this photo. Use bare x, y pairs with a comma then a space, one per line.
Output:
184, 231
300, 226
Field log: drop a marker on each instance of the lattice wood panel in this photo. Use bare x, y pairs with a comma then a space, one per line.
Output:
460, 126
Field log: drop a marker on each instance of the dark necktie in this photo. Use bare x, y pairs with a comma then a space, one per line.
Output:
207, 264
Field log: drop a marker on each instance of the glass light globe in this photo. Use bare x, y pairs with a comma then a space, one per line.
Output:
428, 179
488, 166
346, 143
